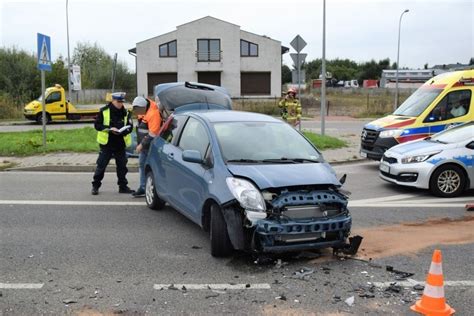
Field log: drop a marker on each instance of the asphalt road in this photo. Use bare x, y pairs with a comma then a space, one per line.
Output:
68, 252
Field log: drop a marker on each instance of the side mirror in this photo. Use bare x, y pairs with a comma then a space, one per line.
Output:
192, 156
343, 179
470, 145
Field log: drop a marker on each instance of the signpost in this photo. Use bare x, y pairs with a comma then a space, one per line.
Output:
44, 64
298, 44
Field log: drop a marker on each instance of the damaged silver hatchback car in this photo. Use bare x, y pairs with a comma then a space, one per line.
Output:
252, 181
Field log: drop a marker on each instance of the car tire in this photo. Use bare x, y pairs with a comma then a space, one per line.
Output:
39, 118
152, 199
220, 242
447, 181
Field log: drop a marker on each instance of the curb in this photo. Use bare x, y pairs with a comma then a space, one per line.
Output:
62, 168
132, 168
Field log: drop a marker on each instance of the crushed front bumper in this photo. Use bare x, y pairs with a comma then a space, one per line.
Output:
297, 235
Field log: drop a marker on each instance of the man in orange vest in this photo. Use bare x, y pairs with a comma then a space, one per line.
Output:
113, 125
148, 128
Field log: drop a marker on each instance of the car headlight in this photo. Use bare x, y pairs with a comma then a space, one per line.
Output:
249, 197
390, 133
419, 158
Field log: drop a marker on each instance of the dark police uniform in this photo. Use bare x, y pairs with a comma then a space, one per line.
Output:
112, 145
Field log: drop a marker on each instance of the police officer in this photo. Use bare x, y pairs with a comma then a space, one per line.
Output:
113, 125
148, 127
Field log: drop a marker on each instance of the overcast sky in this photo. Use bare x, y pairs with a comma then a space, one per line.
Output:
433, 32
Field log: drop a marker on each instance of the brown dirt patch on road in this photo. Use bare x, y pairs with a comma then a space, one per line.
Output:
409, 238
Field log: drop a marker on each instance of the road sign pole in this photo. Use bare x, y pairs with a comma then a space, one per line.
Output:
299, 91
323, 81
43, 107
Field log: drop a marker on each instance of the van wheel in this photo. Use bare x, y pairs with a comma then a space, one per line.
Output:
220, 242
447, 181
153, 201
39, 118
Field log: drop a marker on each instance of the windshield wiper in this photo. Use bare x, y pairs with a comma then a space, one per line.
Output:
244, 160
290, 160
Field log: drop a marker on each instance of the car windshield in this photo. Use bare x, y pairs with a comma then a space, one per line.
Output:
455, 135
267, 142
418, 102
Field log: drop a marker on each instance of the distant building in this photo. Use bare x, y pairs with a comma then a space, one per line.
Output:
213, 51
407, 78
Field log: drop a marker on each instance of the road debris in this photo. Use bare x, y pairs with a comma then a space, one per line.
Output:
69, 301
196, 247
418, 287
281, 297
399, 275
350, 301
393, 287
303, 273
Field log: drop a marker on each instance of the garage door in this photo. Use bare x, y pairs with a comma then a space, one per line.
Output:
255, 83
160, 77
210, 77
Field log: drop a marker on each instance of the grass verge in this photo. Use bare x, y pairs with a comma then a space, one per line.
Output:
31, 142
84, 140
325, 142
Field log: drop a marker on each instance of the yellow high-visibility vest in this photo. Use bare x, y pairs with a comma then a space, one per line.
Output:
103, 136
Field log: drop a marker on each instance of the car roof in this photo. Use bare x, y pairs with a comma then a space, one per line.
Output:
216, 116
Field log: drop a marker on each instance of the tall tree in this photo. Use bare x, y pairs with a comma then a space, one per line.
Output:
285, 74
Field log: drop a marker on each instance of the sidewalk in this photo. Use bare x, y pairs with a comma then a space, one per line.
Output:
85, 162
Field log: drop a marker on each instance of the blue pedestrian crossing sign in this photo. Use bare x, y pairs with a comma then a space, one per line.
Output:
44, 52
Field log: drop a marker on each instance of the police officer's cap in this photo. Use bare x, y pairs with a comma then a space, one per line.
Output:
119, 96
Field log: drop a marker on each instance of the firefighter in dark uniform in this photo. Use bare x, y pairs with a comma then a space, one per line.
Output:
111, 118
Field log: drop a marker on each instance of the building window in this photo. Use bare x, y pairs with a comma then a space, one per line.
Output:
248, 49
168, 49
209, 50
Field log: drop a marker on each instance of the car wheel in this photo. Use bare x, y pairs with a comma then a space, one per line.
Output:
152, 199
39, 118
447, 181
220, 242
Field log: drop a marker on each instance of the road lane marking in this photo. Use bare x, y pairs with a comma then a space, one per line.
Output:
411, 282
21, 286
385, 198
222, 286
408, 205
93, 203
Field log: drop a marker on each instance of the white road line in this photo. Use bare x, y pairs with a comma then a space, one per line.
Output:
21, 286
93, 203
407, 205
385, 198
411, 282
223, 286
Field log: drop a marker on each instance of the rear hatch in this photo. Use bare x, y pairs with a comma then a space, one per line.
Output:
187, 96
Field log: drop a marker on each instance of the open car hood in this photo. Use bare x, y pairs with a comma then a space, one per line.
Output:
186, 96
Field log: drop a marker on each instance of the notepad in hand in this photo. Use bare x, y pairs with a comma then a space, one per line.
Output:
123, 129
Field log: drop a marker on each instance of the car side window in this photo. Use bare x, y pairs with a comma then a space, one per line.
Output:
194, 137
454, 104
53, 97
170, 132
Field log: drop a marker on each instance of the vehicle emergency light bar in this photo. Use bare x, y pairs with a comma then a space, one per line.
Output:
467, 81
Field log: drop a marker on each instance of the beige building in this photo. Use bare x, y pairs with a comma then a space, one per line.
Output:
211, 51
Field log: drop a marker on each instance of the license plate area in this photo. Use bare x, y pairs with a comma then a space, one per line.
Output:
384, 168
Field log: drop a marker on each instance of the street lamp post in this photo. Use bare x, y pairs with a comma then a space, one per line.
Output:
69, 69
395, 105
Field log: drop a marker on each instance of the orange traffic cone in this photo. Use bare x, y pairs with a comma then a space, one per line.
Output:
432, 302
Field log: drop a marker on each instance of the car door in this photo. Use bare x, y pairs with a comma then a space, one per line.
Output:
453, 109
164, 156
470, 167
189, 183
54, 105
